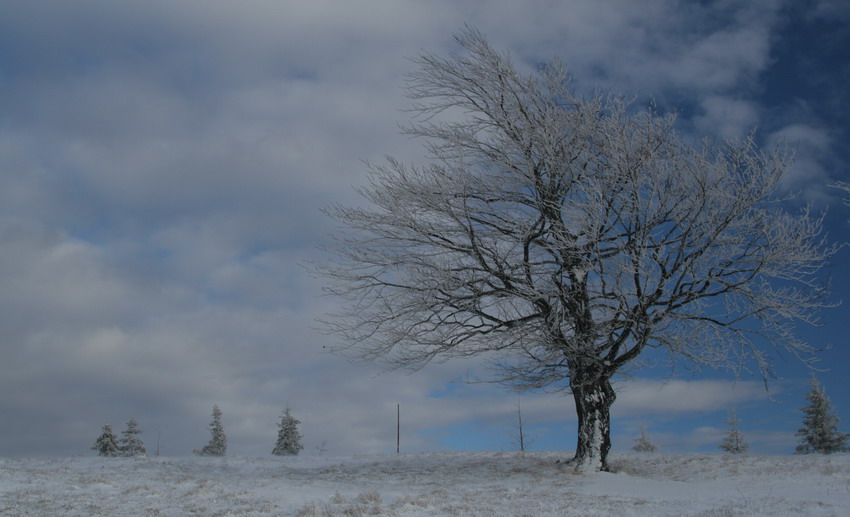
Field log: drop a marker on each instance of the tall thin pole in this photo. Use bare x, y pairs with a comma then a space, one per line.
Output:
521, 437
397, 427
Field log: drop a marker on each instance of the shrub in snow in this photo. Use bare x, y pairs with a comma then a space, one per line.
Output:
820, 425
642, 442
130, 443
218, 441
107, 443
734, 442
288, 437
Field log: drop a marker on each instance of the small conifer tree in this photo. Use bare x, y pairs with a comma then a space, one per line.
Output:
820, 425
218, 441
734, 442
642, 442
130, 443
107, 443
288, 437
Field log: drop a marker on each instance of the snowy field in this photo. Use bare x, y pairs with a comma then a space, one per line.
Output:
462, 484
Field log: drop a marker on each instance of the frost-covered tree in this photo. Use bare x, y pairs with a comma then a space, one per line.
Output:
107, 443
734, 442
130, 443
562, 236
288, 438
218, 441
643, 443
820, 425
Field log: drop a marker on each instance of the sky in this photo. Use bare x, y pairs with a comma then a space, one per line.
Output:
163, 166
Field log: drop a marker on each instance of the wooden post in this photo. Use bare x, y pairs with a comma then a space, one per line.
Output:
521, 437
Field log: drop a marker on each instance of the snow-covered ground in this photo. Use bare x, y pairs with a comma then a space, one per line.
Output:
462, 484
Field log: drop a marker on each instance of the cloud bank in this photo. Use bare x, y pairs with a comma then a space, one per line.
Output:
162, 170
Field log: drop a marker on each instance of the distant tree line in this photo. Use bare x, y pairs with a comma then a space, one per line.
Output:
288, 441
819, 433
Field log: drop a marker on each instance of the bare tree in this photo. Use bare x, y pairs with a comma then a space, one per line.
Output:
567, 235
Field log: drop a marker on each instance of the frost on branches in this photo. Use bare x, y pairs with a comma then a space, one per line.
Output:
218, 441
642, 442
846, 188
734, 442
130, 443
820, 425
288, 438
561, 236
107, 443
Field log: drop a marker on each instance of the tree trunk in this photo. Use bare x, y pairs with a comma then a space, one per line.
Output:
593, 396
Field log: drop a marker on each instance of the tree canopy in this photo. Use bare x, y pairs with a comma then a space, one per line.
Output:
564, 235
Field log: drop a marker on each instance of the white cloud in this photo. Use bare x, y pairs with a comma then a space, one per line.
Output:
803, 136
831, 10
642, 397
723, 60
162, 166
813, 149
726, 117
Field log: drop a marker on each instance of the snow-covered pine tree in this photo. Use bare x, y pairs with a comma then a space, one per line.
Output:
820, 425
288, 437
734, 442
218, 441
107, 443
130, 444
642, 442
